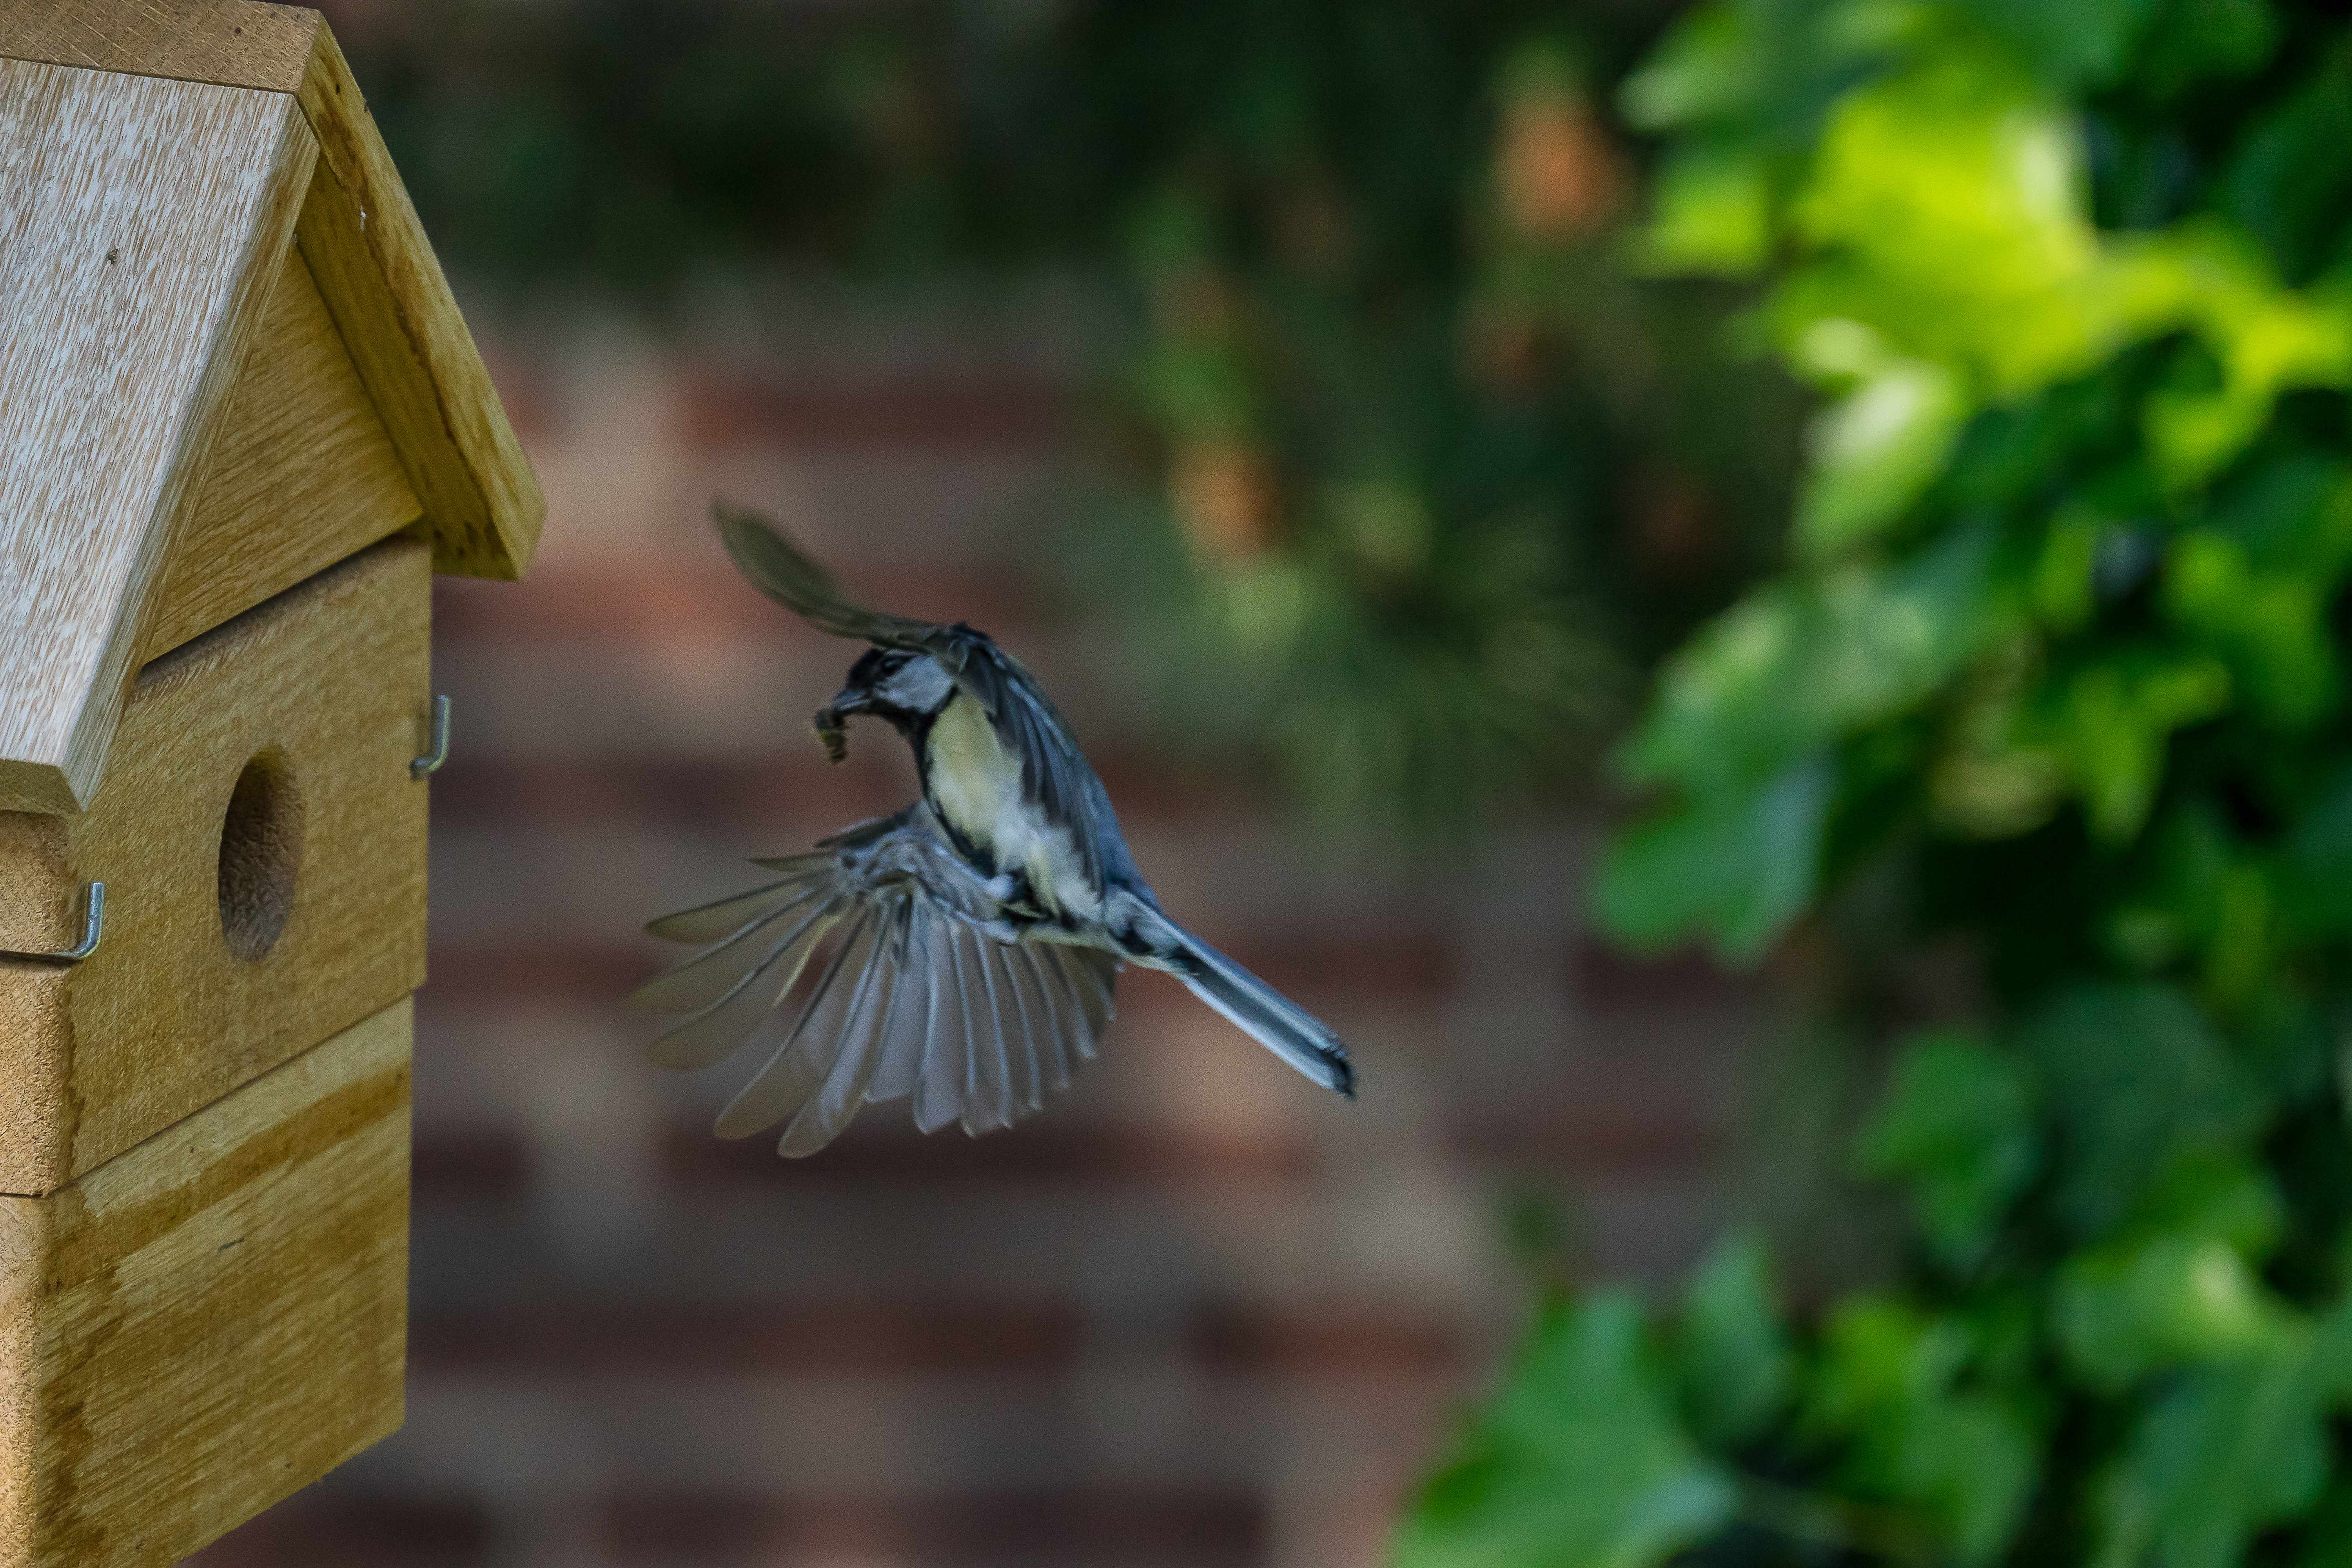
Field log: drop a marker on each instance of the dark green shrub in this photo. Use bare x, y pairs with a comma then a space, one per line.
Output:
2054, 676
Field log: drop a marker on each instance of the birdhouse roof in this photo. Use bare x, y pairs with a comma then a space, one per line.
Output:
225, 346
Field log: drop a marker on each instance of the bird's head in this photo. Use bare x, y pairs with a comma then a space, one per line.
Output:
906, 688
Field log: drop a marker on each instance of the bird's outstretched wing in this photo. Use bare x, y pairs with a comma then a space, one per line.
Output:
910, 997
783, 570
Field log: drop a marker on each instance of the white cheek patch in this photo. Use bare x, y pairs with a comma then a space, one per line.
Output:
919, 687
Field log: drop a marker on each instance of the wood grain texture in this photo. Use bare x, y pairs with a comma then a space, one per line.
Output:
301, 474
235, 43
213, 1319
330, 684
141, 221
385, 287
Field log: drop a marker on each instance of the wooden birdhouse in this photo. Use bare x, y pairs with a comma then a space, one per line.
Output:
241, 424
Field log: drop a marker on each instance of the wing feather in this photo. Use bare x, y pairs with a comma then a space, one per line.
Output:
1007, 1082
938, 1089
1087, 975
1099, 980
786, 574
910, 997
863, 1036
987, 1076
798, 1065
711, 975
1048, 1025
909, 1039
718, 1029
710, 923
1021, 1044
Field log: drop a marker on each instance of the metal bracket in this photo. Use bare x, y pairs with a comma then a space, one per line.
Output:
437, 752
93, 927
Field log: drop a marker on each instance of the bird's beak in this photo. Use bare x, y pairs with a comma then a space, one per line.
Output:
830, 729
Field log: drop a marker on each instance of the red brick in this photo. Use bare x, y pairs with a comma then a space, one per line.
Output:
469, 1165
577, 1338
723, 411
1251, 1340
1092, 1525
1053, 1149
321, 1527
656, 600
1566, 1139
570, 970
1609, 980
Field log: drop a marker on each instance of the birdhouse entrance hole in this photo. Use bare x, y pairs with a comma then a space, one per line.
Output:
260, 854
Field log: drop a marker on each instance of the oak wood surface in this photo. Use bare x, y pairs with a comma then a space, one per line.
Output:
235, 43
302, 473
212, 1320
329, 683
141, 221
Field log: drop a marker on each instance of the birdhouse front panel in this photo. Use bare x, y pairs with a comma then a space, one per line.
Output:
198, 1327
241, 424
263, 845
300, 475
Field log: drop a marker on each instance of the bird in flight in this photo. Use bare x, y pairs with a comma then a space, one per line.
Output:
965, 948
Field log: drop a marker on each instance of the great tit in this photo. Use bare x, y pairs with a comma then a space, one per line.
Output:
965, 948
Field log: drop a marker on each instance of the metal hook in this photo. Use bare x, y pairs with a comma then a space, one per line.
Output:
438, 752
93, 927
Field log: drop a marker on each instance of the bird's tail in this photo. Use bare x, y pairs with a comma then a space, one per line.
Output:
1257, 1009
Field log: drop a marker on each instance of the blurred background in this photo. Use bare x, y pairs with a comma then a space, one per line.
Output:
1746, 598
1132, 333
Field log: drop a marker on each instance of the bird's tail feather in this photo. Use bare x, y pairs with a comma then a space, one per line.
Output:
1261, 1012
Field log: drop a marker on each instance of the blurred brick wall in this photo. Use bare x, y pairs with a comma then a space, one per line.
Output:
1200, 1313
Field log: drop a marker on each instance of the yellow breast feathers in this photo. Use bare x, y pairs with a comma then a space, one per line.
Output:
976, 785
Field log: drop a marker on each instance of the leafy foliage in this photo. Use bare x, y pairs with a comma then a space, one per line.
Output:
1580, 1460
2053, 675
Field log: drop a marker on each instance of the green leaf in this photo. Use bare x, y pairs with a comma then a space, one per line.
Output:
1732, 1351
2331, 1351
1711, 213
2197, 40
1800, 665
2135, 1085
1948, 200
2207, 277
1577, 1464
1889, 1386
1737, 866
2271, 625
1876, 450
2223, 1454
2289, 184
1956, 1121
2316, 865
1707, 70
2158, 1301
2062, 589
2085, 43
2110, 722
2327, 1536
